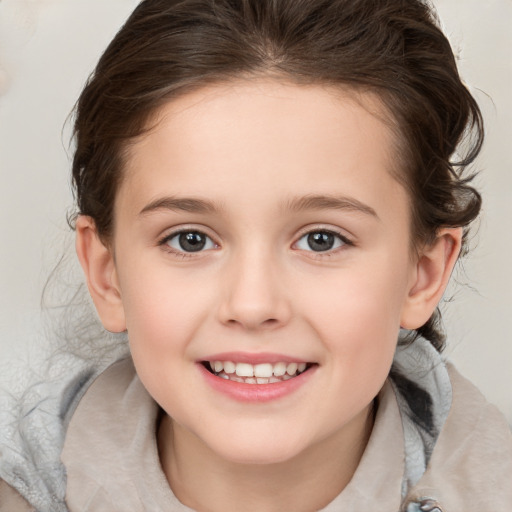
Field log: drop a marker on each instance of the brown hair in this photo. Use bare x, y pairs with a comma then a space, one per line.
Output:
393, 48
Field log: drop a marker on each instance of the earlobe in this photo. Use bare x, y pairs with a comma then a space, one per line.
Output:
99, 268
431, 276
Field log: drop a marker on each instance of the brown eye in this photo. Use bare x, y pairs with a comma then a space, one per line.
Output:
190, 241
321, 241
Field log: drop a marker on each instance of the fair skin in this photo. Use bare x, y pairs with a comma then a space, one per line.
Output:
300, 251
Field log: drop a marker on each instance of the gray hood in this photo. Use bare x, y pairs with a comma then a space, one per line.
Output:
31, 445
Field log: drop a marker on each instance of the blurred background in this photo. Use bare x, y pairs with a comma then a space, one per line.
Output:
47, 50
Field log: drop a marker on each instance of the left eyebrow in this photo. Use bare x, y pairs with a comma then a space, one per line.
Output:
327, 202
185, 204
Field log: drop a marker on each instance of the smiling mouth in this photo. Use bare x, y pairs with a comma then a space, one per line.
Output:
264, 373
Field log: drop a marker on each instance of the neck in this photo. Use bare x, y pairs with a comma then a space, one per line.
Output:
204, 481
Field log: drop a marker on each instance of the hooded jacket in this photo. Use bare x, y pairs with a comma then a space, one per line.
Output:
436, 446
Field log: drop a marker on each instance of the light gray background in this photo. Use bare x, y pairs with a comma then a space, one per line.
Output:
48, 48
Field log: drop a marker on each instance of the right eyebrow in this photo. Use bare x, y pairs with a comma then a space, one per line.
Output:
329, 202
185, 204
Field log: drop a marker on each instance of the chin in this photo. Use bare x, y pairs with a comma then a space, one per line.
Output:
257, 450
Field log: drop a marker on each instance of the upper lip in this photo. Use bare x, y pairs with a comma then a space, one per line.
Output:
255, 358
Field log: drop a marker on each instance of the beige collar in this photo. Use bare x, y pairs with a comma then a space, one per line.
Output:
112, 463
377, 482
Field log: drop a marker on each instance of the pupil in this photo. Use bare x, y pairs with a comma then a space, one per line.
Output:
192, 242
321, 241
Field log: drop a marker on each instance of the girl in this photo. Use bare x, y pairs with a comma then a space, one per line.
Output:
270, 201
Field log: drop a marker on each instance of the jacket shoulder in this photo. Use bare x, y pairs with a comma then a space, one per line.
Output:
471, 466
12, 501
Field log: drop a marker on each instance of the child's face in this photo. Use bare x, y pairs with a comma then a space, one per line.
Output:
298, 250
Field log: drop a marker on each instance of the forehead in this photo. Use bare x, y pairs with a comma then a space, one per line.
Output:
263, 135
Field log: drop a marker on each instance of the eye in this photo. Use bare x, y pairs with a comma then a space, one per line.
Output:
321, 241
189, 241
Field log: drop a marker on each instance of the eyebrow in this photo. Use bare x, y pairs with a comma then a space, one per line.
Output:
309, 202
185, 204
327, 202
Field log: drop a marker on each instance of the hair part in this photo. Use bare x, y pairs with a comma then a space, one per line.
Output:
393, 49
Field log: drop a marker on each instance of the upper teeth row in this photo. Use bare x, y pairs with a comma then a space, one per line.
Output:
257, 370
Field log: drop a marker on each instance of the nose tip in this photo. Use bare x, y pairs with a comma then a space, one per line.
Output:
254, 310
252, 320
254, 299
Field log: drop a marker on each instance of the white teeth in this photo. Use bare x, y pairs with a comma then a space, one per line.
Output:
244, 370
262, 373
279, 369
291, 369
229, 367
263, 370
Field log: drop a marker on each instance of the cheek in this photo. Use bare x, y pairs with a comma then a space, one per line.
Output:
161, 312
162, 317
361, 302
358, 319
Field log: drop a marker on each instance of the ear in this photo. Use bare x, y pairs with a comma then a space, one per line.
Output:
430, 277
98, 265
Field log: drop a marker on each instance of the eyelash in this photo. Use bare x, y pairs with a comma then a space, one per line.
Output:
164, 242
329, 252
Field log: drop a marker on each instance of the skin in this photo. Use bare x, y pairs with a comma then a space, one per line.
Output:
253, 151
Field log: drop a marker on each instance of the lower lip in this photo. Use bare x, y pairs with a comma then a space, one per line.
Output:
256, 392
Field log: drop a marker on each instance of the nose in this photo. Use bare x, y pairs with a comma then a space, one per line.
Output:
254, 294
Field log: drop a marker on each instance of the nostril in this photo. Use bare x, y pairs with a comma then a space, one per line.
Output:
253, 304
254, 323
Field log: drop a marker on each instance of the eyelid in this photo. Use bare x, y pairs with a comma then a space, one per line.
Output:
174, 232
346, 241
